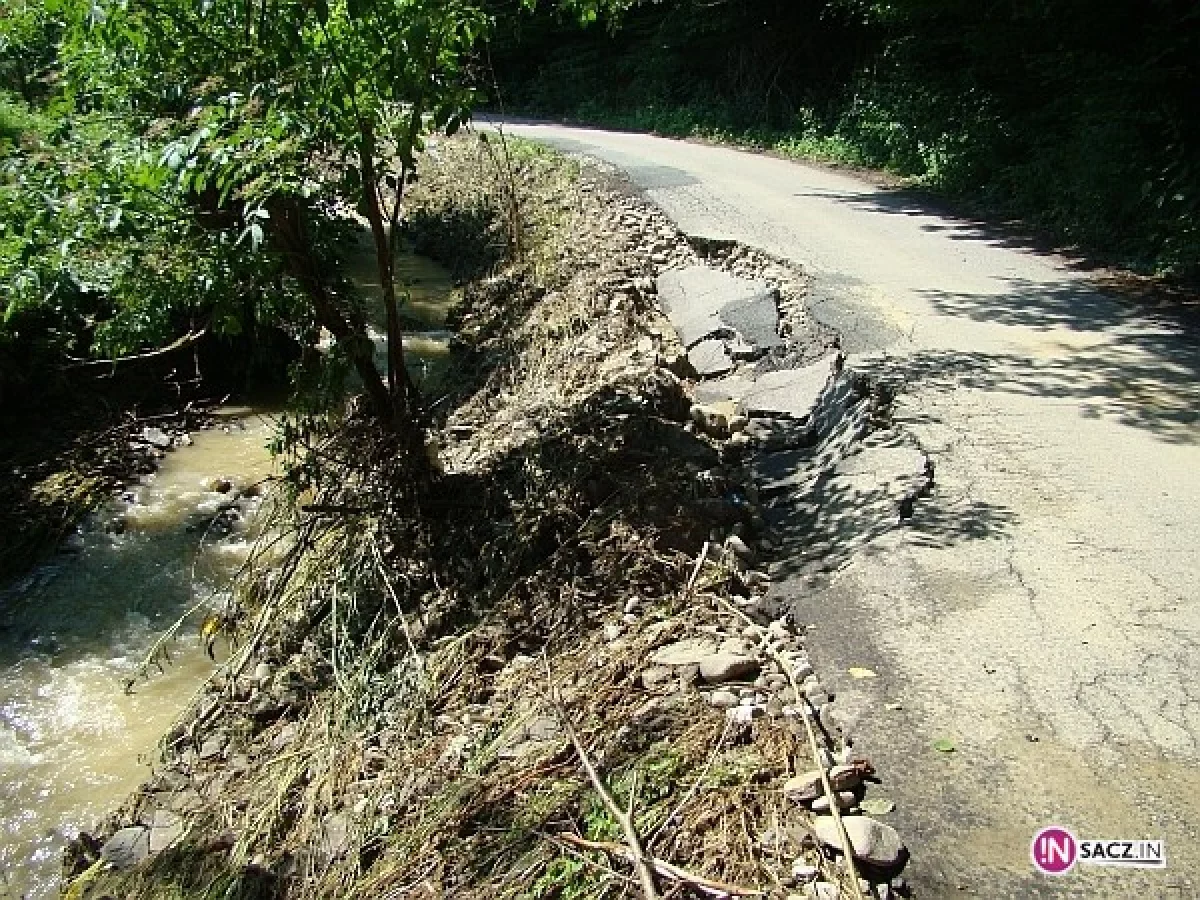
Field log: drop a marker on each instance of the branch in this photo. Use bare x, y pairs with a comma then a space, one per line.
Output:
624, 819
664, 868
187, 339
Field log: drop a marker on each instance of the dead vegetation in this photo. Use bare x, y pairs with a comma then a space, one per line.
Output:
417, 676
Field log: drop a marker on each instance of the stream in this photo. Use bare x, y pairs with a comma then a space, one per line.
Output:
73, 744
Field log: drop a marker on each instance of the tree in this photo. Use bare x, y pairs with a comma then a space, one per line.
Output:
278, 109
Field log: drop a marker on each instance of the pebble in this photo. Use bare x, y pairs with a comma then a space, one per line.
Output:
721, 667
630, 619
872, 841
803, 788
612, 632
803, 871
262, 673
845, 800
723, 699
743, 715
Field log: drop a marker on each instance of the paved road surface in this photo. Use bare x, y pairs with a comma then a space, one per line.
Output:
1043, 609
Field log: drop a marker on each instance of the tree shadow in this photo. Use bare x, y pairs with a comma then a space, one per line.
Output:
841, 496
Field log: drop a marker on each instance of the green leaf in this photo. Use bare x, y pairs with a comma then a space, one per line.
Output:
944, 745
877, 806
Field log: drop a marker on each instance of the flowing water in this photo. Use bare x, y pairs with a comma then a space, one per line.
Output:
73, 744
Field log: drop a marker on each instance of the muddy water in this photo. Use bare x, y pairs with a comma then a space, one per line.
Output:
426, 294
72, 743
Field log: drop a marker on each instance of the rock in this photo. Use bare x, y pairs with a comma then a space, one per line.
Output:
723, 699
612, 632
630, 618
220, 485
166, 827
740, 549
262, 673
845, 800
736, 646
688, 652
743, 715
872, 842
334, 840
722, 667
656, 676
803, 788
709, 358
127, 847
213, 746
544, 728
156, 437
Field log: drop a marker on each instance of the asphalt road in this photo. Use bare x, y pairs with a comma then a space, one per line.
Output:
1042, 610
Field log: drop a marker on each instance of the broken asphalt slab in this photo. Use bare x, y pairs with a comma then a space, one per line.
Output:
703, 302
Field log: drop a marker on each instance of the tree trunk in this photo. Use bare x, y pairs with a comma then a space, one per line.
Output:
399, 384
288, 230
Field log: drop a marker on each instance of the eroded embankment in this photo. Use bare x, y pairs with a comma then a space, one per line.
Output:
418, 675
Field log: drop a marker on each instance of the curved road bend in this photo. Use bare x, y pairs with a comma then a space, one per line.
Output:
1043, 609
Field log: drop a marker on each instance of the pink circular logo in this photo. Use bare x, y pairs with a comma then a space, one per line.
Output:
1054, 850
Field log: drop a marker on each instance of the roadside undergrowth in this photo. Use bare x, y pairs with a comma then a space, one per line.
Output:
384, 726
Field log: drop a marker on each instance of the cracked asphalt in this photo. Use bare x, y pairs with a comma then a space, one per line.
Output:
1041, 609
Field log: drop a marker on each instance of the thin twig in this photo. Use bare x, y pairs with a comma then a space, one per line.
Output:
696, 570
624, 819
664, 868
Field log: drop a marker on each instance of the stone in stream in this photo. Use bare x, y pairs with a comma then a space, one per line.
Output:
127, 847
872, 842
166, 827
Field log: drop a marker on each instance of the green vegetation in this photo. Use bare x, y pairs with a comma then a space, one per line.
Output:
1076, 117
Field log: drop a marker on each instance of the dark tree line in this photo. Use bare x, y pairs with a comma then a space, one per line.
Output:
1078, 116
